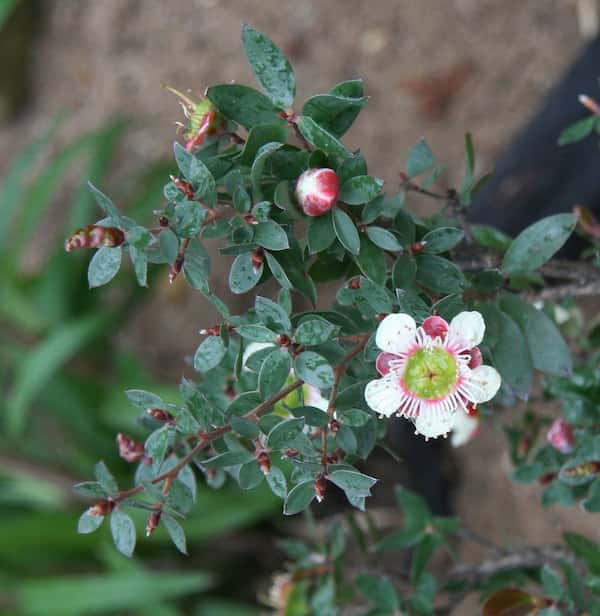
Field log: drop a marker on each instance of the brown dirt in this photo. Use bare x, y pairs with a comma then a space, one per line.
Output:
104, 58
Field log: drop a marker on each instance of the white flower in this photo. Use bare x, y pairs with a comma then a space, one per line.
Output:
431, 373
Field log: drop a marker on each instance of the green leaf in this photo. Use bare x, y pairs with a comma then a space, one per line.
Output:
552, 583
404, 271
360, 189
243, 105
442, 239
299, 498
176, 533
592, 502
416, 512
271, 236
585, 549
352, 483
123, 532
196, 266
438, 274
371, 260
256, 333
144, 399
169, 245
46, 359
88, 523
257, 137
509, 350
538, 243
90, 489
355, 418
243, 275
270, 66
381, 592
284, 432
250, 476
104, 266
227, 459
156, 446
312, 416
420, 158
277, 483
274, 372
314, 330
346, 231
577, 131
333, 112
258, 166
321, 139
321, 233
384, 239
197, 174
279, 273
209, 354
188, 218
549, 351
108, 207
272, 315
314, 369
139, 259
490, 237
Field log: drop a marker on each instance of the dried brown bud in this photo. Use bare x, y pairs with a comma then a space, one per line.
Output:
129, 450
95, 236
102, 507
161, 415
264, 461
547, 478
153, 522
258, 257
183, 186
291, 453
283, 340
163, 221
320, 488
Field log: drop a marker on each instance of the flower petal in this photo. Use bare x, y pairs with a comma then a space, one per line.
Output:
384, 395
467, 328
485, 382
395, 333
432, 425
313, 397
465, 428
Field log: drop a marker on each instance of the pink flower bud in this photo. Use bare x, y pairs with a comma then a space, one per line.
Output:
95, 236
560, 436
435, 326
317, 191
476, 358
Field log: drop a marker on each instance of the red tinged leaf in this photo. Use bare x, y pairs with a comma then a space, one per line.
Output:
510, 602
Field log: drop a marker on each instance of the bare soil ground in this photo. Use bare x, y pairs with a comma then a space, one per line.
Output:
432, 67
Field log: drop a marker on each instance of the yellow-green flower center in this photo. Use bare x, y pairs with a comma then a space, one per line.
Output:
430, 373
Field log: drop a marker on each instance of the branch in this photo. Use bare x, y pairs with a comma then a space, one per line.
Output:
205, 438
527, 558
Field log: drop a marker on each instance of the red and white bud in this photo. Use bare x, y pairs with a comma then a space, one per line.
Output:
317, 191
560, 436
320, 488
102, 507
264, 461
153, 522
95, 236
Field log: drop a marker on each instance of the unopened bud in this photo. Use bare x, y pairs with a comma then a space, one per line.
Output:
102, 507
163, 221
264, 462
153, 522
416, 247
213, 330
176, 268
524, 445
317, 191
129, 450
560, 436
95, 236
161, 415
354, 283
291, 453
320, 488
250, 219
547, 478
